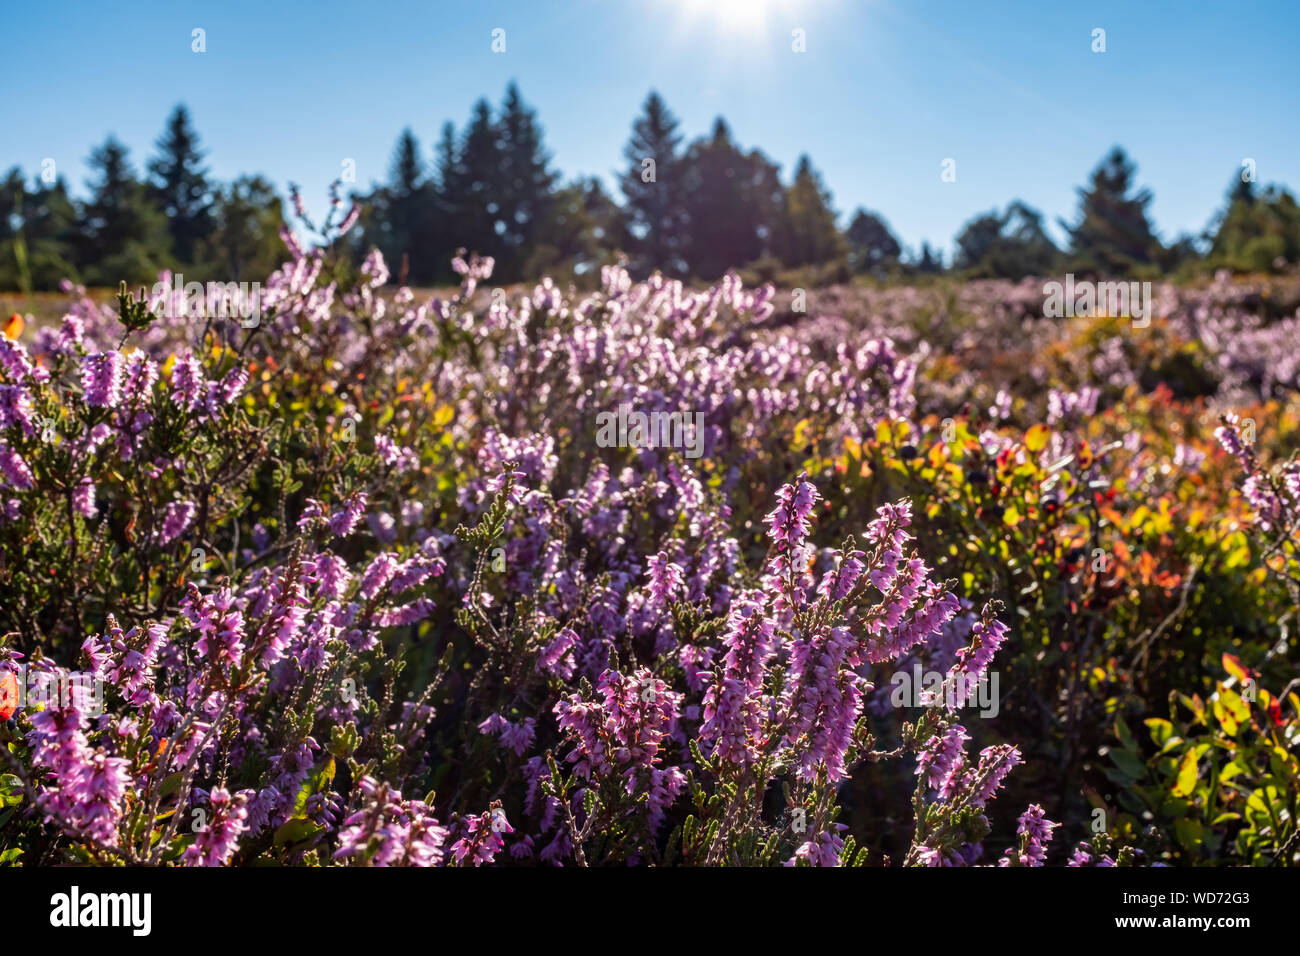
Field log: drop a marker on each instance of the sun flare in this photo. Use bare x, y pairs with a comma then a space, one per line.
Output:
752, 17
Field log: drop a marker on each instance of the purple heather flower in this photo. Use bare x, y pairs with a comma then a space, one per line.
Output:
482, 840
14, 470
788, 521
1035, 832
176, 520
733, 707
556, 657
344, 521
102, 379
216, 841
83, 498
517, 737
188, 383
667, 580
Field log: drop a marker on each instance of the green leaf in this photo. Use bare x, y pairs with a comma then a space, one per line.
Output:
296, 830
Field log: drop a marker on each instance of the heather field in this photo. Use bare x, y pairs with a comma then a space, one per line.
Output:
400, 496
925, 578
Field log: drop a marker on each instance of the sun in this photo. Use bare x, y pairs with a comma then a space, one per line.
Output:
751, 17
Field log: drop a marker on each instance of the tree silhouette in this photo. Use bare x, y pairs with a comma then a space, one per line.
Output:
1113, 235
873, 249
653, 190
1007, 246
178, 185
807, 234
732, 201
122, 236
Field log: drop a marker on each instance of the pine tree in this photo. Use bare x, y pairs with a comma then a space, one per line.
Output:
1113, 236
178, 186
873, 249
1257, 231
37, 233
807, 234
652, 188
522, 184
733, 202
930, 261
468, 186
123, 236
400, 210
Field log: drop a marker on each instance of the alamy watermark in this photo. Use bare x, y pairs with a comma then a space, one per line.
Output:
210, 300
1130, 300
938, 688
628, 428
62, 689
76, 909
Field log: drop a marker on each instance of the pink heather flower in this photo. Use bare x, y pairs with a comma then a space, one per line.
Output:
132, 657
85, 792
83, 498
17, 365
332, 576
482, 840
188, 383
1035, 832
667, 580
344, 521
176, 520
219, 623
987, 635
994, 765
1263, 501
378, 574
216, 841
102, 379
623, 732
16, 409
518, 485
788, 522
822, 850
375, 269
942, 758
517, 737
1230, 438
734, 708
886, 529
847, 575
556, 657
405, 615
349, 221
140, 375
14, 470
824, 695
1083, 856
390, 831
231, 385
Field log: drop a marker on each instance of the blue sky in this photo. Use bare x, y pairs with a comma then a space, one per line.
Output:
886, 90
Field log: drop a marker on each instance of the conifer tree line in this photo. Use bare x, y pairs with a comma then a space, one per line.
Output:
690, 209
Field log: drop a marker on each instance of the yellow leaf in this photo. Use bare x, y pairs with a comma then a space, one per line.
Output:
1187, 773
1036, 438
1232, 665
